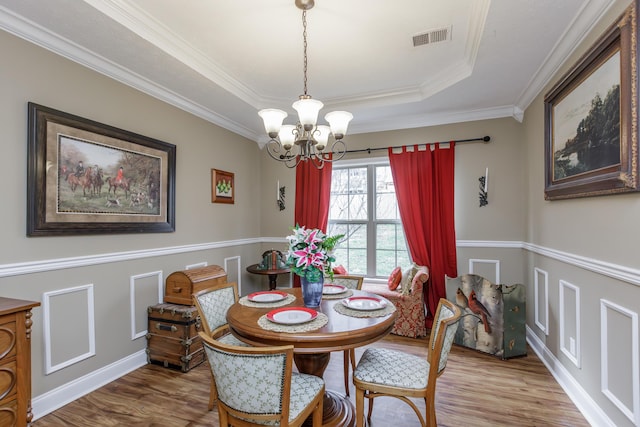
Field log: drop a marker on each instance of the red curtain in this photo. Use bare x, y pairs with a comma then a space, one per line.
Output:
423, 180
313, 193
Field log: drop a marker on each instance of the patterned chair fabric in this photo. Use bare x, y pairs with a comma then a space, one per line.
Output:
349, 282
349, 356
256, 385
384, 372
411, 320
213, 304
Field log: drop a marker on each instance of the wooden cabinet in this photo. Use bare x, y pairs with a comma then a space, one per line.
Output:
15, 362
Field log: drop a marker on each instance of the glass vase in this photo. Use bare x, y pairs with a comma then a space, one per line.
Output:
312, 292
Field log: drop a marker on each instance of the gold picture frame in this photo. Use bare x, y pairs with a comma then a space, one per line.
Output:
591, 115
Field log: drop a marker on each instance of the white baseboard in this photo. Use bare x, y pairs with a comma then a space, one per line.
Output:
585, 404
67, 393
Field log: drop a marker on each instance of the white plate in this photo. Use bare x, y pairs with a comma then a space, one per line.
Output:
364, 303
267, 296
333, 289
292, 315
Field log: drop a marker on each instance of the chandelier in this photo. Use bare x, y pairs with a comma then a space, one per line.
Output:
306, 140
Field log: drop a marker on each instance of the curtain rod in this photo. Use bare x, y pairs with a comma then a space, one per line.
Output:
484, 139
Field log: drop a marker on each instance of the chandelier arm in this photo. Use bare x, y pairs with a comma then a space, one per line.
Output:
292, 162
275, 150
339, 149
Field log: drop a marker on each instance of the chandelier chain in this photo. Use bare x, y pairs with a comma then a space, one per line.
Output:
304, 38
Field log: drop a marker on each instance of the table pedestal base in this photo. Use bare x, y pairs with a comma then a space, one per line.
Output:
337, 411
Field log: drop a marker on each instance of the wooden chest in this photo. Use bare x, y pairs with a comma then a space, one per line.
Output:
172, 338
181, 285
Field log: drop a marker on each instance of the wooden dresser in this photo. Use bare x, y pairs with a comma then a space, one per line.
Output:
15, 362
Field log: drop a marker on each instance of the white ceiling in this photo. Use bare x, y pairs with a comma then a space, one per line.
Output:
223, 60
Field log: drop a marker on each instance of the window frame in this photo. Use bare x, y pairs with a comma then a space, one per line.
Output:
371, 222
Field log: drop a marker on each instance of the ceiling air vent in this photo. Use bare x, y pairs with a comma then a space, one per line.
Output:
432, 36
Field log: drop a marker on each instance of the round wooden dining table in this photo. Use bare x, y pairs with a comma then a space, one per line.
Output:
312, 349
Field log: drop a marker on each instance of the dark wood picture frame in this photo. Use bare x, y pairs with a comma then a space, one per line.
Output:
65, 198
223, 188
591, 138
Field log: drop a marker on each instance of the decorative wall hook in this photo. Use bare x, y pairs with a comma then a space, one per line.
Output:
483, 194
484, 183
281, 192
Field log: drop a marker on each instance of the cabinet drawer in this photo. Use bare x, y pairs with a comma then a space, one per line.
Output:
9, 413
8, 378
7, 340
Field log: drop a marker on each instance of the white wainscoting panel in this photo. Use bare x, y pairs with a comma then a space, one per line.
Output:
144, 290
541, 299
570, 322
75, 303
233, 265
492, 276
619, 348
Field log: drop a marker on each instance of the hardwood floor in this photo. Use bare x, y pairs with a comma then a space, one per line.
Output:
475, 390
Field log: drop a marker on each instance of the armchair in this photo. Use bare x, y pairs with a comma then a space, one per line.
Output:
409, 301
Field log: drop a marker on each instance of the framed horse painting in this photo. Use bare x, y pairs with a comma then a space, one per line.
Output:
85, 177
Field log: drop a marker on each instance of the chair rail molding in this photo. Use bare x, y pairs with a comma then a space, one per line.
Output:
616, 271
17, 269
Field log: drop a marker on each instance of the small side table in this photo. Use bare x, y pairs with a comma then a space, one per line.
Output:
273, 274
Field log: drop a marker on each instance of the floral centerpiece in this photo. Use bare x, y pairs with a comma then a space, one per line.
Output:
310, 256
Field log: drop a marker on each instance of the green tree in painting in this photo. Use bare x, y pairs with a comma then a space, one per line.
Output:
597, 141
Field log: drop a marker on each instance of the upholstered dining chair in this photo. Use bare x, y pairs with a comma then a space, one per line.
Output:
212, 305
384, 372
256, 386
349, 282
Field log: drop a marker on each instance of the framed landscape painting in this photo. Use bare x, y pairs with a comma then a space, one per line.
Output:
84, 177
591, 135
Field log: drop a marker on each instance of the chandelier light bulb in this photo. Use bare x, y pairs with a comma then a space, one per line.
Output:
272, 120
287, 136
308, 110
339, 121
321, 135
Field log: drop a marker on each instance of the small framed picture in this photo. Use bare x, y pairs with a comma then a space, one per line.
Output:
222, 187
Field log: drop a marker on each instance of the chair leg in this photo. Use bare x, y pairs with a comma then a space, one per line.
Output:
316, 420
223, 416
347, 358
430, 419
359, 407
370, 407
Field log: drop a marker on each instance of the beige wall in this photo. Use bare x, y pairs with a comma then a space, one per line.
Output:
108, 262
502, 219
588, 248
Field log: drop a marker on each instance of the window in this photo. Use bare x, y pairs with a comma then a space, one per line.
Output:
363, 207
